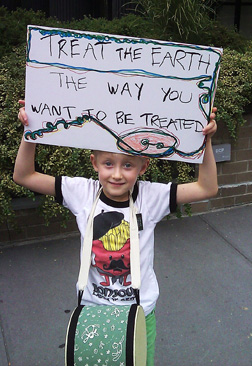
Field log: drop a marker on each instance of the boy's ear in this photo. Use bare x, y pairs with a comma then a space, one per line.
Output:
144, 166
93, 161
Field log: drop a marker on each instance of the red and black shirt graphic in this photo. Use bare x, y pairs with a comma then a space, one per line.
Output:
111, 248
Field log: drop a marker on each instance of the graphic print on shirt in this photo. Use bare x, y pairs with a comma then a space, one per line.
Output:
111, 248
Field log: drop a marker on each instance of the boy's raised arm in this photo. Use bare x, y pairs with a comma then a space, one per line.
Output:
24, 170
207, 185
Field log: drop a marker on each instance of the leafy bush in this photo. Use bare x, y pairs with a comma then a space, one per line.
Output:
234, 90
11, 88
130, 25
218, 35
13, 25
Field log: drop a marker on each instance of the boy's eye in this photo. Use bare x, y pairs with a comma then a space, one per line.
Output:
108, 163
127, 165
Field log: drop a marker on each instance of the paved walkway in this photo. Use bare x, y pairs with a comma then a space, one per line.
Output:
204, 313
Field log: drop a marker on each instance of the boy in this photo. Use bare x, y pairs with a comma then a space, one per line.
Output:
109, 277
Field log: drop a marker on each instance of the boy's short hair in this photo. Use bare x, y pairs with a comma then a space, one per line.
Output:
96, 152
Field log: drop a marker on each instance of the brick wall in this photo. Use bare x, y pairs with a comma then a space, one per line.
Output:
235, 188
234, 176
31, 226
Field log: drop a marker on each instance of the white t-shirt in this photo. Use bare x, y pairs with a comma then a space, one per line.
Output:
109, 279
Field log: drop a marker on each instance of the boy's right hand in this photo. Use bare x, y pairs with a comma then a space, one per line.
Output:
22, 116
24, 171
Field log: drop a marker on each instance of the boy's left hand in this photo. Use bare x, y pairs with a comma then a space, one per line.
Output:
211, 128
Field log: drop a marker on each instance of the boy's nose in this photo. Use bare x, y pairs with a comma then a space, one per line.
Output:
117, 174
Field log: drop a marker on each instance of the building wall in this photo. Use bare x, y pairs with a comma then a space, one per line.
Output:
238, 14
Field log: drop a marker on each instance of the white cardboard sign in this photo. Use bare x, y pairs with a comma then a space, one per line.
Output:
119, 94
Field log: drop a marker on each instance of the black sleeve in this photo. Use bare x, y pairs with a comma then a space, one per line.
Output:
58, 191
173, 197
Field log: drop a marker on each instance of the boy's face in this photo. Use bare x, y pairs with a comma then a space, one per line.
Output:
118, 172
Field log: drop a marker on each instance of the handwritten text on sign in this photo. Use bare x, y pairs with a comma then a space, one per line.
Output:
119, 94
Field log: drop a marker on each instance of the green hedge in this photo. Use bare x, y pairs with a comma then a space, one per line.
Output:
234, 93
234, 90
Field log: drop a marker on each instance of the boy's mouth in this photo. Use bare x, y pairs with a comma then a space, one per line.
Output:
117, 184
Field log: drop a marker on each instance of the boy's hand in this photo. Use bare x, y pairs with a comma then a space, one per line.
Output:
211, 128
22, 116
